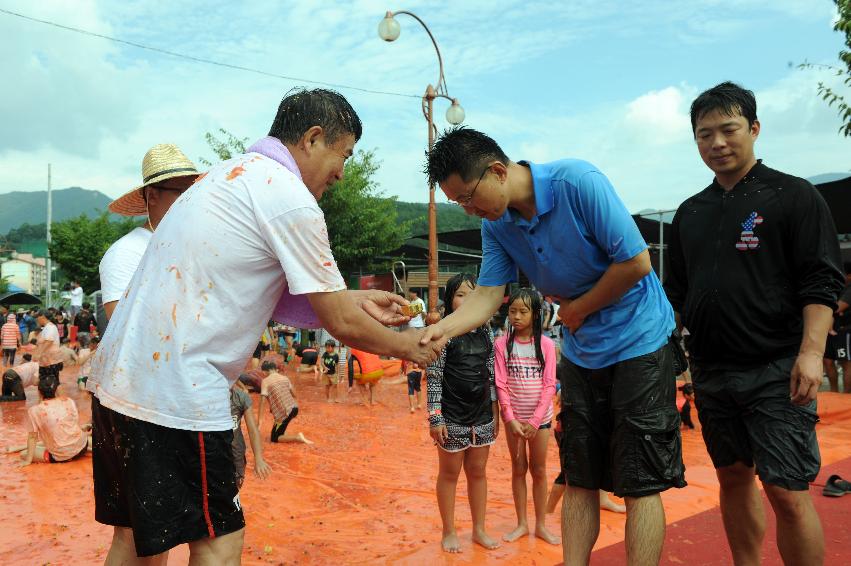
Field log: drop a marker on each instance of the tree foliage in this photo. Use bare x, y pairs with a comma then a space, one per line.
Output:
828, 94
27, 232
362, 222
224, 148
78, 244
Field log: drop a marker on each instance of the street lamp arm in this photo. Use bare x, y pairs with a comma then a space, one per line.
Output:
441, 81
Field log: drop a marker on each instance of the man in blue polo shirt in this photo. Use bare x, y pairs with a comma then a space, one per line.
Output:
564, 226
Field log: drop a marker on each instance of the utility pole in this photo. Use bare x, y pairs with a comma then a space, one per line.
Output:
49, 264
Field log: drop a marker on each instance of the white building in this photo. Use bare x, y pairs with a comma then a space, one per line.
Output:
27, 272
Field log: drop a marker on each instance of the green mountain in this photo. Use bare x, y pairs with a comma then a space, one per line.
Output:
449, 217
19, 207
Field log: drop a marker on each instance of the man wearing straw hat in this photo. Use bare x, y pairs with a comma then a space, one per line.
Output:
245, 244
166, 173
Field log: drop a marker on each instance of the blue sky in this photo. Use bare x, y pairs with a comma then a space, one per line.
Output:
605, 81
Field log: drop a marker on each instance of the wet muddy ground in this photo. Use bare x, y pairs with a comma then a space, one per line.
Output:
364, 493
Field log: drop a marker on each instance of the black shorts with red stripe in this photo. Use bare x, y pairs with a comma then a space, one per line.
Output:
169, 486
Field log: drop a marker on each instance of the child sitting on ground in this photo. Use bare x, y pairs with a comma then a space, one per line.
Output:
18, 378
240, 406
330, 359
461, 412
278, 389
69, 356
55, 422
415, 380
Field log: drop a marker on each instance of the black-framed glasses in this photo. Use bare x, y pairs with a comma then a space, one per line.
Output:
464, 200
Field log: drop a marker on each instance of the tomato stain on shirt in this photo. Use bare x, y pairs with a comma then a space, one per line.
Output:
156, 356
327, 264
235, 172
176, 271
174, 313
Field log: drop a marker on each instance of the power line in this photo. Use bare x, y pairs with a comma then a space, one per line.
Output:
202, 60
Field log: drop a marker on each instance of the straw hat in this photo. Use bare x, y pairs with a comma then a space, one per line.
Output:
163, 161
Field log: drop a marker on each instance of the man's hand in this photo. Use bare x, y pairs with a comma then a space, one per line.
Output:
439, 434
261, 468
569, 315
383, 306
806, 377
433, 333
421, 351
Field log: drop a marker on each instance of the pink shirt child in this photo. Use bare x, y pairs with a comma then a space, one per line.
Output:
58, 425
524, 389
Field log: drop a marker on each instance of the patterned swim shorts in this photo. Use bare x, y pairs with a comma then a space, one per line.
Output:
462, 437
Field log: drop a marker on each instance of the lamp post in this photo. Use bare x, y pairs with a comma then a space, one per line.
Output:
389, 30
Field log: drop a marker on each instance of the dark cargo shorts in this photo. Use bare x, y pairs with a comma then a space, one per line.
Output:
747, 416
621, 426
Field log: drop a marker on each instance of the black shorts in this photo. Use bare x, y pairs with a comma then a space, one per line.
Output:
839, 346
415, 380
747, 416
170, 486
258, 351
280, 429
310, 358
621, 426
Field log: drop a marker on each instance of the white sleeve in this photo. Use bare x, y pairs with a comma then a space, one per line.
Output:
299, 238
116, 270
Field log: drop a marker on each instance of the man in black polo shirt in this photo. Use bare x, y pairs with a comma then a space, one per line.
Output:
754, 275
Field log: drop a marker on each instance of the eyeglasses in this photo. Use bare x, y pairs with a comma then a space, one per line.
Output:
464, 200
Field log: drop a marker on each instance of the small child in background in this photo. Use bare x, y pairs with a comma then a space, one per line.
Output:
462, 414
88, 347
330, 359
415, 380
525, 373
240, 407
309, 361
279, 391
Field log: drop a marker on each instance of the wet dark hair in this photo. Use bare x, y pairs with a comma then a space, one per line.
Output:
452, 287
48, 385
464, 151
268, 366
301, 109
28, 357
729, 98
532, 299
330, 343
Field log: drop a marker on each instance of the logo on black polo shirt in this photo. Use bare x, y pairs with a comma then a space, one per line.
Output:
748, 240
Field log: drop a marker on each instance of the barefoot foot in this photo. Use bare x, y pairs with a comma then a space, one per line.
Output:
606, 503
304, 439
481, 538
450, 543
544, 534
520, 531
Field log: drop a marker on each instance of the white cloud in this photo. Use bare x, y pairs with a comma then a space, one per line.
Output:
93, 108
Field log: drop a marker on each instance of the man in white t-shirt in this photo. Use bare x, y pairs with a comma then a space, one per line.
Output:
419, 320
166, 174
76, 299
246, 234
